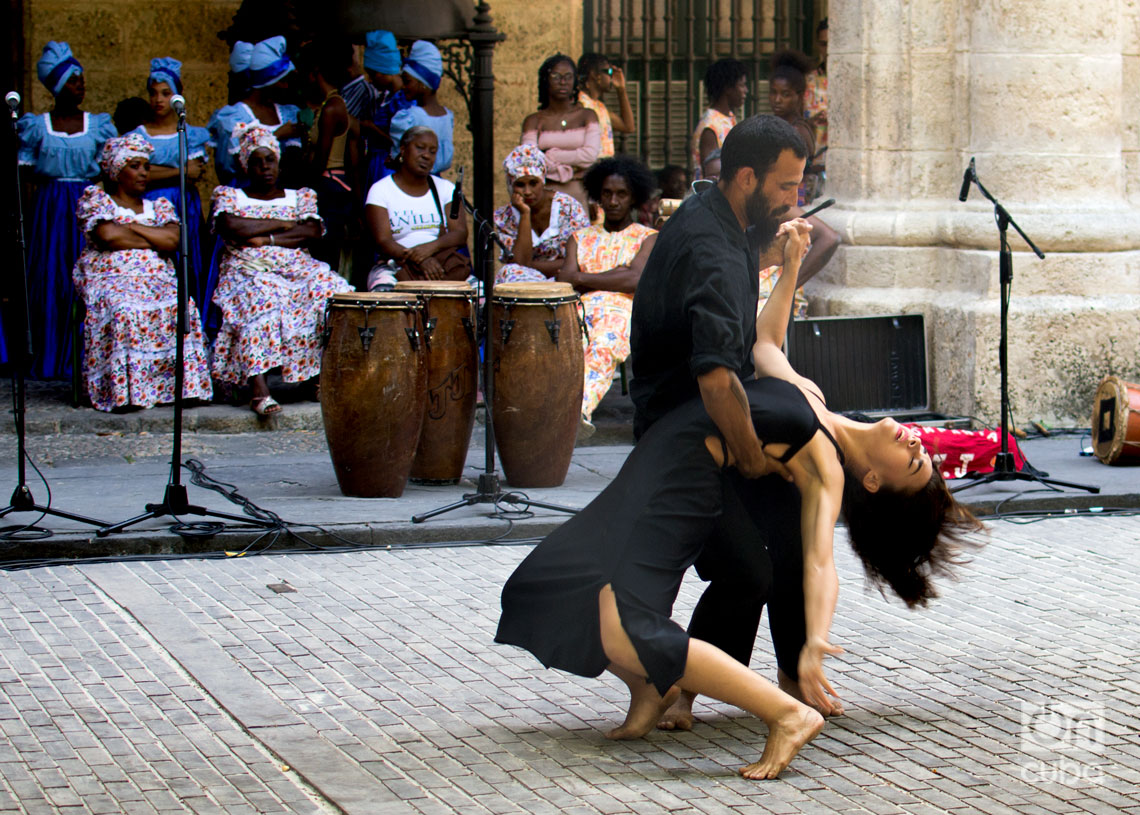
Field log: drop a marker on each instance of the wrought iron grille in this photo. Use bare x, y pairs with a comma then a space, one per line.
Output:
665, 46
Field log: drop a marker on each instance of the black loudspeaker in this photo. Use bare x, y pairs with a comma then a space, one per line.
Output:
866, 364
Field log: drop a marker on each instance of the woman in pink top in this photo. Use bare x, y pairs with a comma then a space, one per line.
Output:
565, 131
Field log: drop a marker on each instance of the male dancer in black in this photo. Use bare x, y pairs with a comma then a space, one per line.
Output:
692, 332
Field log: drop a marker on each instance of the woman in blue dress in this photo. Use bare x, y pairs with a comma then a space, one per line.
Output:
62, 149
161, 132
422, 74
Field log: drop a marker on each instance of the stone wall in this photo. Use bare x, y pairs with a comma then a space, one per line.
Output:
1043, 94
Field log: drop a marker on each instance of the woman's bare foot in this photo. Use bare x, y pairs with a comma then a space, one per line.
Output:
646, 706
679, 716
785, 738
792, 688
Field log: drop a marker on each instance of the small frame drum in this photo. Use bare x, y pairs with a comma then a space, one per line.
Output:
1116, 422
373, 381
452, 359
536, 335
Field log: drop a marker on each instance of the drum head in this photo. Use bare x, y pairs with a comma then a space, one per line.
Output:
435, 286
372, 299
1110, 419
535, 291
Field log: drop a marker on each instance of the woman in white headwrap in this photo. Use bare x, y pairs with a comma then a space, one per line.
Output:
271, 291
126, 280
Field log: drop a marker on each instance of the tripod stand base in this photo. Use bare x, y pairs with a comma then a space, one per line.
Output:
490, 491
176, 502
1004, 471
22, 501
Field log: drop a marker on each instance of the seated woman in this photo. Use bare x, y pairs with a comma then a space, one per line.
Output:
127, 282
270, 291
597, 594
604, 264
567, 133
161, 131
408, 215
539, 221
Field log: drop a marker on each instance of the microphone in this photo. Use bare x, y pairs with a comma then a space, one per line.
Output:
13, 100
178, 102
967, 177
457, 198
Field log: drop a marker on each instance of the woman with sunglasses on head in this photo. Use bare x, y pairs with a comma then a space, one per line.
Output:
567, 133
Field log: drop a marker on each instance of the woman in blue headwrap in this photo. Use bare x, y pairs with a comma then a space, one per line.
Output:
259, 68
161, 132
383, 64
422, 73
62, 150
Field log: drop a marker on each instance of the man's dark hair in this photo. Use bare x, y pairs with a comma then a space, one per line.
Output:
791, 66
590, 61
722, 75
544, 72
641, 181
821, 27
757, 142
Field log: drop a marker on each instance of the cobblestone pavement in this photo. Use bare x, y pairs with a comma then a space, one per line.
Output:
367, 683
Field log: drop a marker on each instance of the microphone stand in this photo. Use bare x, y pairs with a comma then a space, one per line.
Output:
1004, 467
175, 500
22, 499
489, 488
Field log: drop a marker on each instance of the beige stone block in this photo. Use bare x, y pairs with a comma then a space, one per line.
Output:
1086, 180
847, 92
935, 175
932, 120
887, 103
1130, 102
1079, 114
933, 27
1131, 180
1044, 27
1130, 27
884, 27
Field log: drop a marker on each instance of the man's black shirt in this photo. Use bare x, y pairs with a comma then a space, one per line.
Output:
695, 306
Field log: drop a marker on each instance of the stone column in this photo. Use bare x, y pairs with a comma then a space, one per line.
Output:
1044, 94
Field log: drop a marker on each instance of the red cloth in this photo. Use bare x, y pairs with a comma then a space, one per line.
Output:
957, 452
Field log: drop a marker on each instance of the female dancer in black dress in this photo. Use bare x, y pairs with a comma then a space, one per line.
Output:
597, 594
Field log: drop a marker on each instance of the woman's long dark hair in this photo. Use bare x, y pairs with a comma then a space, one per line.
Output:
544, 79
905, 539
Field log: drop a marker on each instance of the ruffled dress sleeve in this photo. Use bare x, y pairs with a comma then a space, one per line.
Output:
307, 207
164, 213
288, 115
507, 227
221, 127
576, 215
93, 208
224, 199
197, 140
31, 130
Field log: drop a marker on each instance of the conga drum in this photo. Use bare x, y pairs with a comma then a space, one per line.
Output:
373, 381
1116, 422
536, 336
452, 362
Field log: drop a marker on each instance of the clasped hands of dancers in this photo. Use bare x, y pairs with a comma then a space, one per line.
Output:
597, 594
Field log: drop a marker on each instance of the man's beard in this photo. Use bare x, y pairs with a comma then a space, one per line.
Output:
761, 216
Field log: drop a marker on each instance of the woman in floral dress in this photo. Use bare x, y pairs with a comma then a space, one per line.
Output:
126, 280
539, 220
271, 291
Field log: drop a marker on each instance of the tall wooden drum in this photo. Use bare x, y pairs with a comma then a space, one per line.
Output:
1116, 422
452, 361
536, 333
373, 381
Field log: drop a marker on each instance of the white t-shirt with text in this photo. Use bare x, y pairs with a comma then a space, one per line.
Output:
414, 220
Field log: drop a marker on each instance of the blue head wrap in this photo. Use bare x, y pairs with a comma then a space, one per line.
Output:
56, 66
240, 57
269, 63
380, 52
425, 64
168, 70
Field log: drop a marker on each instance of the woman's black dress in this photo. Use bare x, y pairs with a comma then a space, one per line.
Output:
639, 536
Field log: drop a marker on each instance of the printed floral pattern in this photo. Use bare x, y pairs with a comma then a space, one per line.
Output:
272, 298
567, 216
608, 313
132, 307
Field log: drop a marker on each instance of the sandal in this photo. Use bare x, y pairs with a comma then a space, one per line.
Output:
264, 406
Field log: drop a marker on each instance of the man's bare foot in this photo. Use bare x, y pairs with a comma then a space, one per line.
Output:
785, 738
792, 688
645, 708
679, 716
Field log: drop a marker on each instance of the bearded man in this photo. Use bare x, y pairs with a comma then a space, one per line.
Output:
692, 332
